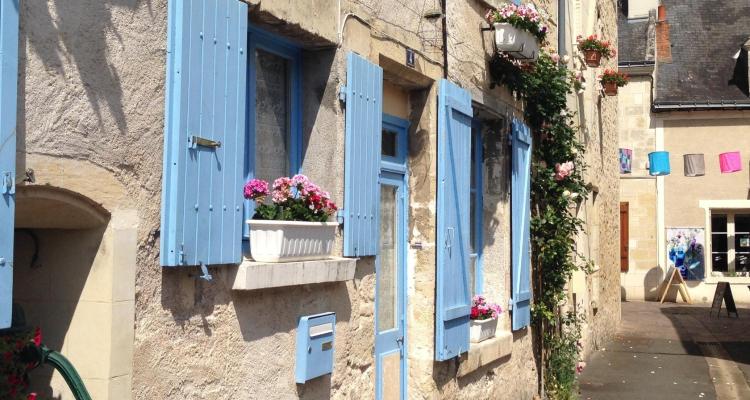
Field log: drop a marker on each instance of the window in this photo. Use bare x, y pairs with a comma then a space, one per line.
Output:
274, 114
475, 210
274, 109
730, 243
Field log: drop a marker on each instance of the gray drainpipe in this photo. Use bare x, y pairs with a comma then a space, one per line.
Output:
561, 27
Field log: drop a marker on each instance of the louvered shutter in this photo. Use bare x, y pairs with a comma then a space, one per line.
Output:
453, 298
521, 220
8, 101
204, 141
364, 123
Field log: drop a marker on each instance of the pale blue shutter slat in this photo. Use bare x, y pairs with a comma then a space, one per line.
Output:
521, 220
453, 298
364, 110
8, 101
206, 93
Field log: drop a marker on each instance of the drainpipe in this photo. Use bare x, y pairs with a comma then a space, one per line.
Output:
444, 9
561, 33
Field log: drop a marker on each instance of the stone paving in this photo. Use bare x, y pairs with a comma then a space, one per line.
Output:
672, 351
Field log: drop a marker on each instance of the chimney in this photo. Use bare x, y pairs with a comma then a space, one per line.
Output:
663, 44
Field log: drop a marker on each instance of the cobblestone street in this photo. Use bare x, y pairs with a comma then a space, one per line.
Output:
672, 351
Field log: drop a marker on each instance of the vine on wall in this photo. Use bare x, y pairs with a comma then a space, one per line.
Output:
557, 187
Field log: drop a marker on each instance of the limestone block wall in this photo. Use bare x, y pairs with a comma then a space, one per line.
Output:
637, 131
597, 114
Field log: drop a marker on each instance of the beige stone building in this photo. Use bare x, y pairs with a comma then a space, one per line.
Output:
691, 101
95, 206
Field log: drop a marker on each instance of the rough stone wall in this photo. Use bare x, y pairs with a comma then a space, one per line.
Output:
600, 135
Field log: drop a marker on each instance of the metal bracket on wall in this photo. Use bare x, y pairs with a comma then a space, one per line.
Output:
205, 275
8, 184
342, 94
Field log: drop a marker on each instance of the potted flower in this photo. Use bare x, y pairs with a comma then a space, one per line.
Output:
594, 49
611, 80
14, 369
483, 319
293, 225
518, 30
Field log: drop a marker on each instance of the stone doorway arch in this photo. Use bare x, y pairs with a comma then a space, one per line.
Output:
74, 276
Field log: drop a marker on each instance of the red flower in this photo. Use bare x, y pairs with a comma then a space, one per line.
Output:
474, 313
38, 337
31, 396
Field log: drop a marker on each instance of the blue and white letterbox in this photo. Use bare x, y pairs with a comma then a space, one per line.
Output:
315, 334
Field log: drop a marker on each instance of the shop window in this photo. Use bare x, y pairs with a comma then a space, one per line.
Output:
730, 243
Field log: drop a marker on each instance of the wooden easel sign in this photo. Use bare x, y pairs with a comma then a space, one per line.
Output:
675, 279
723, 293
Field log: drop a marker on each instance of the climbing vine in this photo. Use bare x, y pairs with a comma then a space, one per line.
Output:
557, 187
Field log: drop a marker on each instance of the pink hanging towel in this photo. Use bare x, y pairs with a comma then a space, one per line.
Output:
730, 162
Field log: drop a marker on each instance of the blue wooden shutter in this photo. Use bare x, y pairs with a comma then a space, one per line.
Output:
364, 123
521, 221
453, 298
202, 188
8, 87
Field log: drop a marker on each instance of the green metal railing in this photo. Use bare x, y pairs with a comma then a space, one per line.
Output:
43, 355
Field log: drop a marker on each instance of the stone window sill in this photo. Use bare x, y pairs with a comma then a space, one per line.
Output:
737, 280
484, 353
256, 275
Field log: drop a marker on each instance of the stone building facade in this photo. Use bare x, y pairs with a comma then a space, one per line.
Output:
90, 135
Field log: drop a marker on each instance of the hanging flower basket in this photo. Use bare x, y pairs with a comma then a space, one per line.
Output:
518, 30
611, 80
610, 88
594, 49
294, 226
593, 58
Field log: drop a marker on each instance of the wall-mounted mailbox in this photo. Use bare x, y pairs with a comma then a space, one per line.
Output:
315, 335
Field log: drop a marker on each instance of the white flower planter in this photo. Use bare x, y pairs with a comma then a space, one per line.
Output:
482, 329
283, 241
519, 43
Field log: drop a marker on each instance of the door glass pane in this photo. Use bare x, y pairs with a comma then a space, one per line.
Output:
272, 110
472, 274
389, 143
387, 275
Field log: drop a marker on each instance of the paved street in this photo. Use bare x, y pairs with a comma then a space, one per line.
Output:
672, 351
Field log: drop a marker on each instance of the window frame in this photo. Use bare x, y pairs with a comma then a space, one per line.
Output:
477, 169
731, 237
260, 39
401, 127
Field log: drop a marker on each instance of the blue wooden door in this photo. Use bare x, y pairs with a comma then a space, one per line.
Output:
453, 297
390, 263
8, 85
520, 225
390, 291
